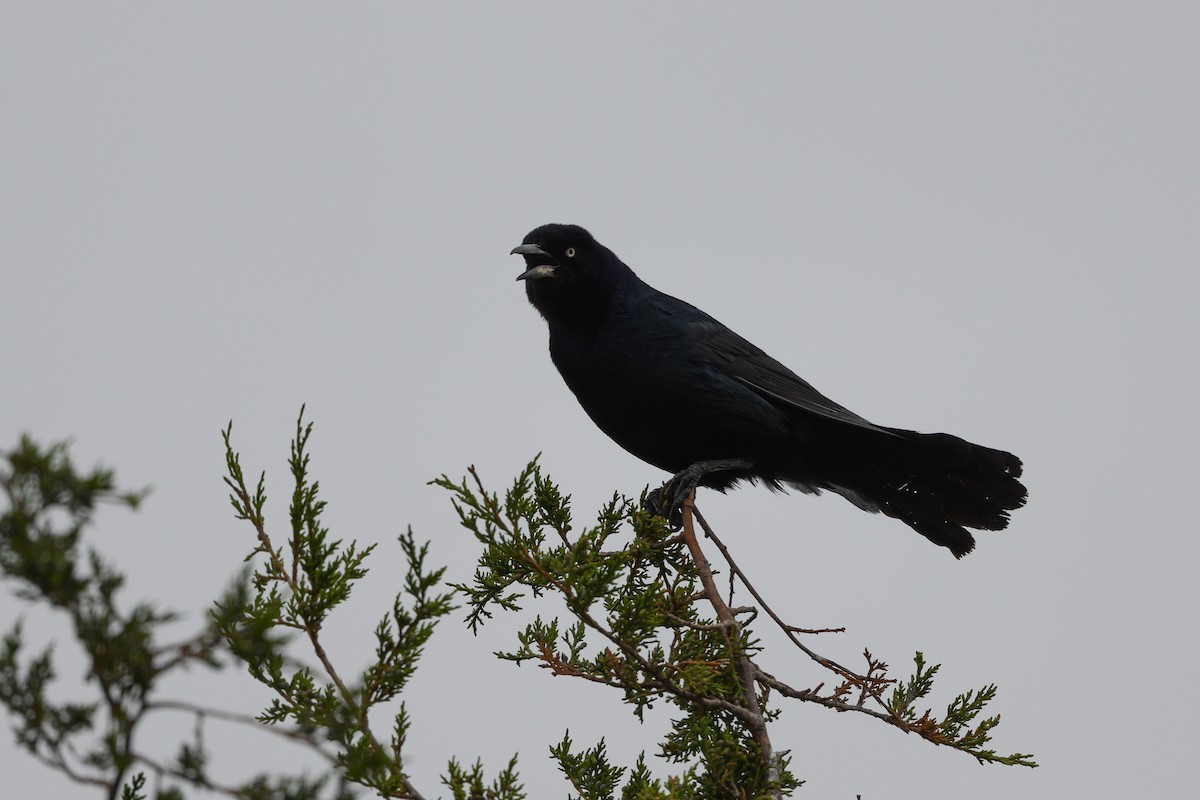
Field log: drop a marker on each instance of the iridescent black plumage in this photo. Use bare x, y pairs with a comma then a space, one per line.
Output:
675, 387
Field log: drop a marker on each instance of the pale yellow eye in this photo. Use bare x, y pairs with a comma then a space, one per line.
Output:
570, 252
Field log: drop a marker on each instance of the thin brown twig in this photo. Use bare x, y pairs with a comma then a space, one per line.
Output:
161, 770
244, 719
59, 761
789, 630
829, 701
869, 686
746, 667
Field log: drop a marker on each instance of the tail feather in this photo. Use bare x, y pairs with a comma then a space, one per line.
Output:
937, 484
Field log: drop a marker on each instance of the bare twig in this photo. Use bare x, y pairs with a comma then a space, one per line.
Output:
789, 630
59, 761
746, 668
244, 719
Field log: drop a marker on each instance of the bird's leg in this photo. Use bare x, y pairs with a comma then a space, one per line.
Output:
667, 500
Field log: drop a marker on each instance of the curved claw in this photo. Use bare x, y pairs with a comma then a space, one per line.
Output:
667, 500
660, 502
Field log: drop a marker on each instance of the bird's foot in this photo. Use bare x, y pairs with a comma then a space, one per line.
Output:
667, 500
660, 503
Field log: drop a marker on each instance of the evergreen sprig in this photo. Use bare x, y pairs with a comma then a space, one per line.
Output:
471, 784
97, 743
296, 588
954, 729
631, 590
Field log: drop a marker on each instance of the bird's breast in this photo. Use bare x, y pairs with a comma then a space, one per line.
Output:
652, 394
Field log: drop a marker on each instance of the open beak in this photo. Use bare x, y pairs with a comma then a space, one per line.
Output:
539, 271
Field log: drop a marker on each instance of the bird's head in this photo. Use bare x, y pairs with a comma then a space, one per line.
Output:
554, 252
566, 269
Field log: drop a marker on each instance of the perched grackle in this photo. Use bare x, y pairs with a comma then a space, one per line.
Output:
683, 392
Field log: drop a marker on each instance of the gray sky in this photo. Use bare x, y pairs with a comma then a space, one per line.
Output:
979, 218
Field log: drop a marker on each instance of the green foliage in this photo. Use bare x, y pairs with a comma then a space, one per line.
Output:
631, 590
632, 595
589, 771
96, 743
133, 789
470, 784
631, 606
954, 728
295, 590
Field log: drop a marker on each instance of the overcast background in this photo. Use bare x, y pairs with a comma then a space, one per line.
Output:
979, 218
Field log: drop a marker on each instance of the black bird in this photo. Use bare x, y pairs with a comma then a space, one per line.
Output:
683, 392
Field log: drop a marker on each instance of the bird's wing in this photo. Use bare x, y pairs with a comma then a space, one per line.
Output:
742, 361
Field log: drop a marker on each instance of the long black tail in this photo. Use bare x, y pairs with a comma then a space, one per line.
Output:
937, 484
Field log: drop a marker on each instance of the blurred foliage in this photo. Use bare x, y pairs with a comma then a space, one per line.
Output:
297, 584
96, 742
